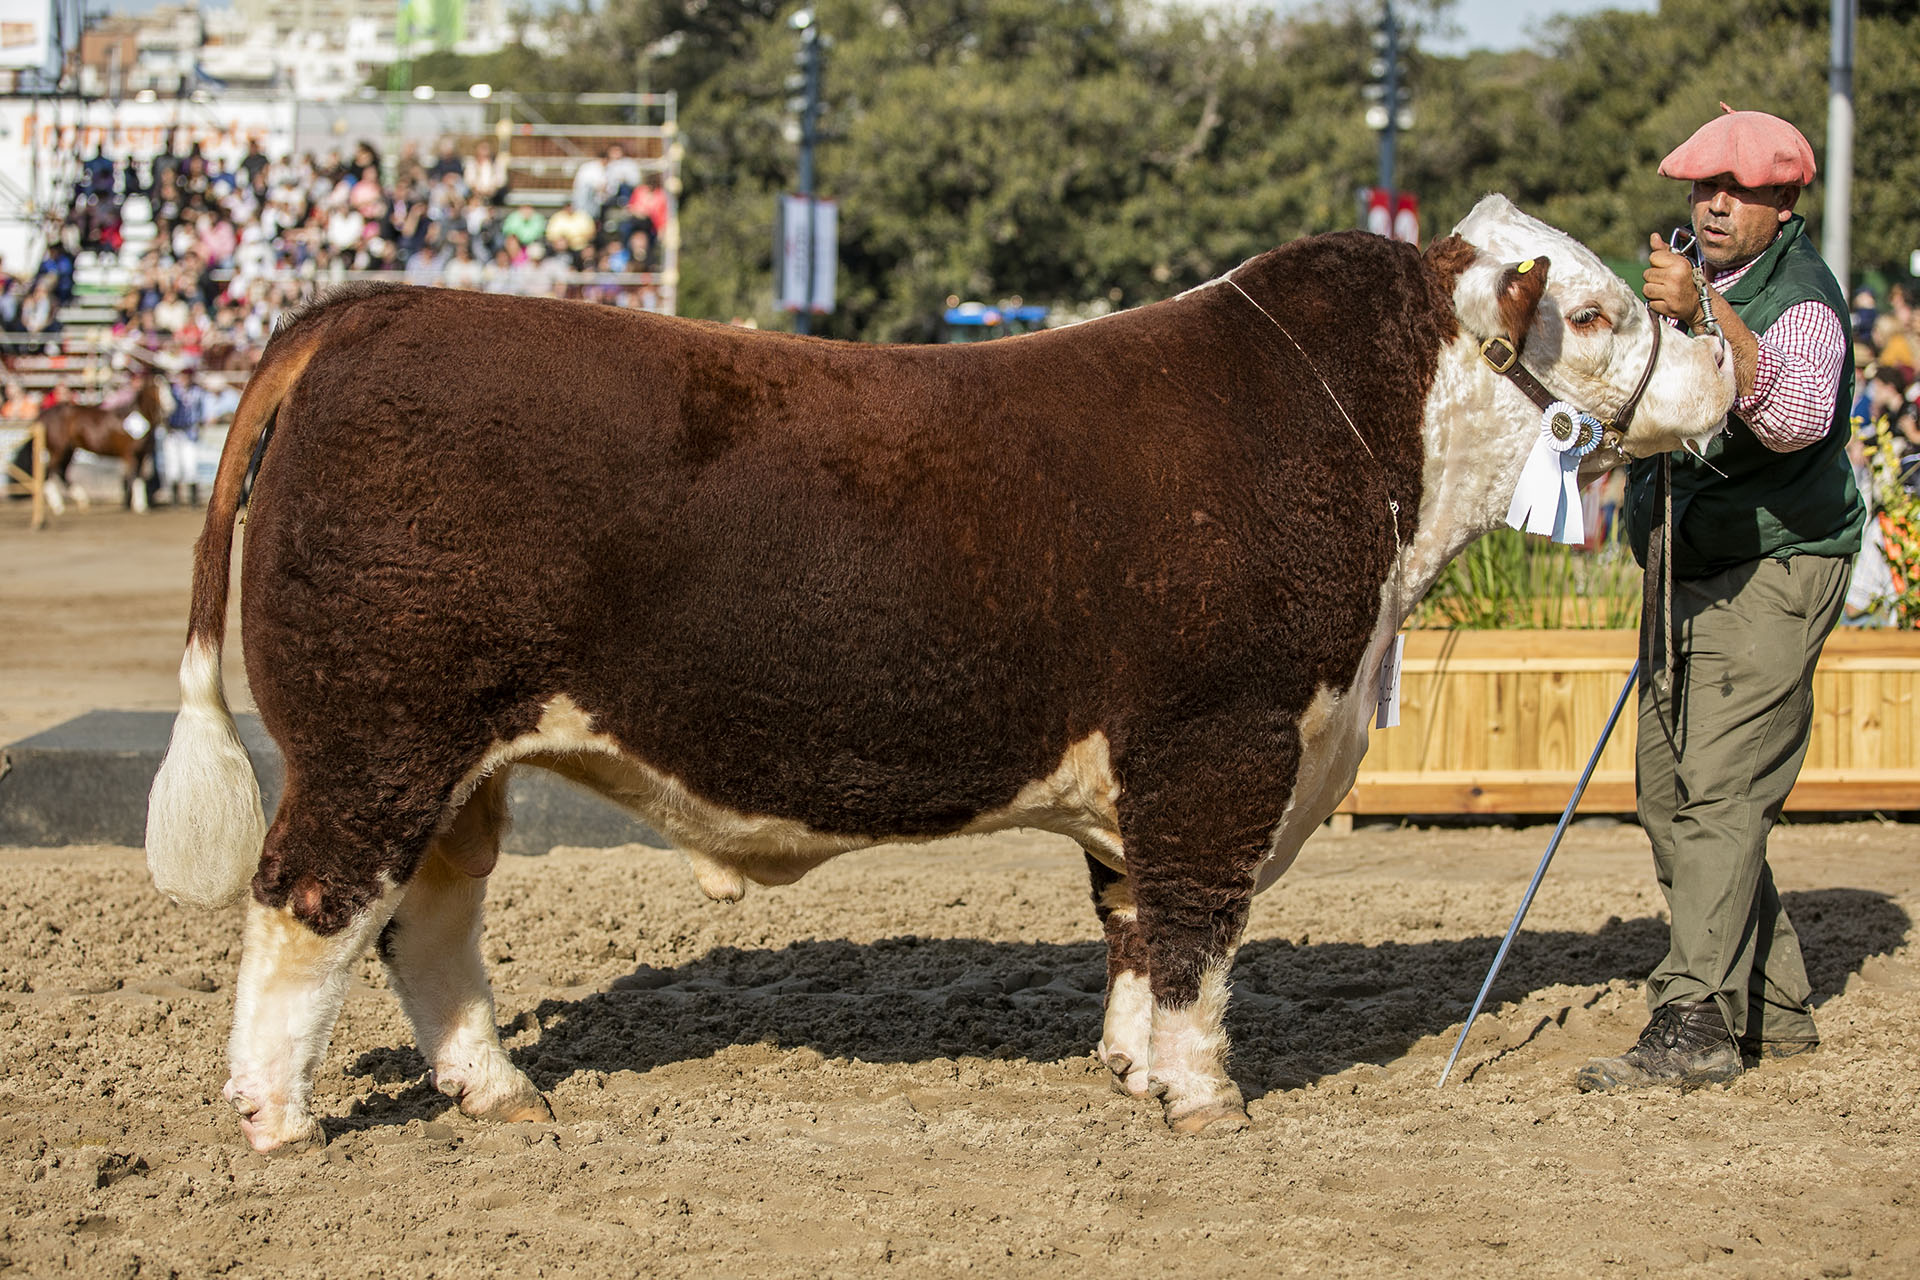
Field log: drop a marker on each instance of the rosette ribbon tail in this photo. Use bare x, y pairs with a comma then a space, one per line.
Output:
1547, 499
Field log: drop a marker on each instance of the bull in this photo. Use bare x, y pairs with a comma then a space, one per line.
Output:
1129, 581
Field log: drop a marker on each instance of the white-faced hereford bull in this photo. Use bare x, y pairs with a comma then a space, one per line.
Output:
1129, 581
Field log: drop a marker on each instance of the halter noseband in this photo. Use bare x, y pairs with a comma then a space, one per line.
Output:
1504, 358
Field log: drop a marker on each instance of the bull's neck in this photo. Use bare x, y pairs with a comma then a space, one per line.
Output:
1477, 434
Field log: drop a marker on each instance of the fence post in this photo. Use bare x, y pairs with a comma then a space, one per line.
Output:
39, 435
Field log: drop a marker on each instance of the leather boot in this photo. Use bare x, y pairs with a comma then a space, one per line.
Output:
1686, 1043
1762, 1049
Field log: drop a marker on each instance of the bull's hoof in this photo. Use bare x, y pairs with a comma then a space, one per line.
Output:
1127, 1080
518, 1100
282, 1138
536, 1109
268, 1129
1211, 1108
1212, 1121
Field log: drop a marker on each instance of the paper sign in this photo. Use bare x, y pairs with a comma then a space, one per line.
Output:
1387, 713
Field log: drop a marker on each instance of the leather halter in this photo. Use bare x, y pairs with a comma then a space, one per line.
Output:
1504, 358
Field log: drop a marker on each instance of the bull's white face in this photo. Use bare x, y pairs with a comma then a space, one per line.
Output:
1590, 337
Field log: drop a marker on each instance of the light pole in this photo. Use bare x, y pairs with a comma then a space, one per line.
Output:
1836, 242
808, 102
1388, 114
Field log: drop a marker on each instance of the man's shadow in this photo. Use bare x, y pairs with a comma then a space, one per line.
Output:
1298, 1012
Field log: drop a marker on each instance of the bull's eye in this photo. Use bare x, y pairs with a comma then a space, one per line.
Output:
1585, 317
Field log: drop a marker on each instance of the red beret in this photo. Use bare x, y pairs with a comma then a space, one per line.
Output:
1759, 150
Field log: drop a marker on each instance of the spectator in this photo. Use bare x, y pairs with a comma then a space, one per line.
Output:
40, 314
590, 186
524, 225
56, 268
256, 162
486, 175
446, 161
650, 207
463, 271
179, 452
16, 405
623, 175
570, 231
13, 292
171, 313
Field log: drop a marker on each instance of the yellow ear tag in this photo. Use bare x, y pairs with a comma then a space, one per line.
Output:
1525, 267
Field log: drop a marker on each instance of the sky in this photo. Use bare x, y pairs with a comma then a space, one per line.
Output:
1486, 24
1505, 24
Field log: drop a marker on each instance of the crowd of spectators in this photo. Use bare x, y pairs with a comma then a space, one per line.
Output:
234, 245
1885, 451
1887, 353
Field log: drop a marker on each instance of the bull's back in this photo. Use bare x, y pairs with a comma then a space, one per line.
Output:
869, 588
797, 573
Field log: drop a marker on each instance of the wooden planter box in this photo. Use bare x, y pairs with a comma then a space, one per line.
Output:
1503, 722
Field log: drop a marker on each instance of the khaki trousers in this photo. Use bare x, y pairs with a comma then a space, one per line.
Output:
1746, 642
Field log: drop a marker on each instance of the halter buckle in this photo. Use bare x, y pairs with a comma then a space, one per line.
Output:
1501, 364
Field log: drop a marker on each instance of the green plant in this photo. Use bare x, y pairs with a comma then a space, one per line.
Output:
1508, 579
1896, 513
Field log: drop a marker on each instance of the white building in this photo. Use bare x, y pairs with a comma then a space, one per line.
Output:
310, 49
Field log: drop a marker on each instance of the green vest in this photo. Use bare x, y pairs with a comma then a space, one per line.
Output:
1767, 503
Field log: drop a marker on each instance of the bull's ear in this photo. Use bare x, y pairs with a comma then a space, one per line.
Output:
1521, 285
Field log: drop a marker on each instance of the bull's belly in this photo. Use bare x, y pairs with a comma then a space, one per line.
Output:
727, 847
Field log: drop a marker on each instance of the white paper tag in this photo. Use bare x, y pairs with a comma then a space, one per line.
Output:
1387, 714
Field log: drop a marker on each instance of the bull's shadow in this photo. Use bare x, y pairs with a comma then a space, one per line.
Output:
1299, 1012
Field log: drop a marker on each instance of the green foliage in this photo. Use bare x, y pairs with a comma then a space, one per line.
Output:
1110, 152
1897, 513
1508, 579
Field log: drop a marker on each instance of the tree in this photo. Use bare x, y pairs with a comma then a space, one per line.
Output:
1103, 152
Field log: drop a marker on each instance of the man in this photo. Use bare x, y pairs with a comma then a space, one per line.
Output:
179, 452
1763, 533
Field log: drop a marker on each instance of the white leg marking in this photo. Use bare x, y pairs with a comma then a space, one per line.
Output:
292, 982
1190, 1059
1126, 1039
433, 957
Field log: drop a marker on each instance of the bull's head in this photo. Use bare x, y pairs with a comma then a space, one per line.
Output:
1583, 333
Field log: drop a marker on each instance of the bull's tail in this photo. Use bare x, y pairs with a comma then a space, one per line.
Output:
205, 820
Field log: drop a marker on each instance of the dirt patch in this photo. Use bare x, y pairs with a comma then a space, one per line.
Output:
887, 1064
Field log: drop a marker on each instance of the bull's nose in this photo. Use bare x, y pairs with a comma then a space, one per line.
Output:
1721, 353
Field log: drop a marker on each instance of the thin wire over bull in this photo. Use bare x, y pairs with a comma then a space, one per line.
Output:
1129, 581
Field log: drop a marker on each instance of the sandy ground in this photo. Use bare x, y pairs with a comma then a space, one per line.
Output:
886, 1067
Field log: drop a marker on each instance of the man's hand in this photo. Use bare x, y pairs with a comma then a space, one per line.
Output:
1668, 284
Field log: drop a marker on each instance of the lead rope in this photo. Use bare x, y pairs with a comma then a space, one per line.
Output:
1393, 505
1660, 562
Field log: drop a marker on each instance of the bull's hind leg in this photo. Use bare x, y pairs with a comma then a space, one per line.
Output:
432, 952
1126, 1034
291, 985
1197, 813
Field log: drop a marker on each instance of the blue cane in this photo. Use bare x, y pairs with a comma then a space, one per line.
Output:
1573, 803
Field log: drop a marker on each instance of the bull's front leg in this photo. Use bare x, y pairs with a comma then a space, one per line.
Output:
291, 985
1190, 950
1200, 801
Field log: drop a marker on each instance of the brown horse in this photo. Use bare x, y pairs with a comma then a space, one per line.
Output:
101, 429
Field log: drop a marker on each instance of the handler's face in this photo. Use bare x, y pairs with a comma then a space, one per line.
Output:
1735, 224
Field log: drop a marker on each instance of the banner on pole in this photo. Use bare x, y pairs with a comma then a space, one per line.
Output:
1392, 213
26, 37
804, 266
